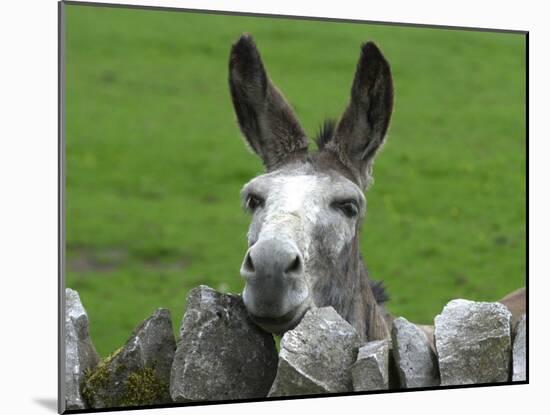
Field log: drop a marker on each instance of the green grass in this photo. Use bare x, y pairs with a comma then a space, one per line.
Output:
155, 161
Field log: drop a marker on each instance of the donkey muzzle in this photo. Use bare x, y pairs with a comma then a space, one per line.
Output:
276, 294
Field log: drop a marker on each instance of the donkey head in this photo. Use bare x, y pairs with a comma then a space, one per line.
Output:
307, 208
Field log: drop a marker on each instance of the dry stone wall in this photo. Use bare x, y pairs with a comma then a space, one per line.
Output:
221, 355
473, 342
80, 353
316, 356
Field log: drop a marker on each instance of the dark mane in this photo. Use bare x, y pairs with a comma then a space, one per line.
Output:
379, 291
326, 131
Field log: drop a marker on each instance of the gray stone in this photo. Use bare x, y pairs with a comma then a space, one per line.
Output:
139, 372
414, 358
80, 353
316, 355
519, 356
221, 353
370, 371
473, 342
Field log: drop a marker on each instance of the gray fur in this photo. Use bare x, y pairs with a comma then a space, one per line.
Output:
308, 208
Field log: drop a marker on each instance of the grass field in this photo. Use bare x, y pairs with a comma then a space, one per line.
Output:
155, 161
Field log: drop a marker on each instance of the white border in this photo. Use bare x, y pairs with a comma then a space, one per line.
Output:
29, 202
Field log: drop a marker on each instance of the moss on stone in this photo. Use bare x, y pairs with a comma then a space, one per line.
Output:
98, 379
136, 387
143, 387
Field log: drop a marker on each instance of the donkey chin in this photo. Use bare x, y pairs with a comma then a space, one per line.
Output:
275, 317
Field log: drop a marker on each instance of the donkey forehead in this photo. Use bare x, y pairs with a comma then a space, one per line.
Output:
299, 188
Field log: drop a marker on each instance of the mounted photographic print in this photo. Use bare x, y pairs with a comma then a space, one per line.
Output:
259, 207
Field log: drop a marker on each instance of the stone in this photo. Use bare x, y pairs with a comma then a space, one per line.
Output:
415, 360
80, 353
139, 372
221, 354
371, 370
519, 352
473, 342
316, 356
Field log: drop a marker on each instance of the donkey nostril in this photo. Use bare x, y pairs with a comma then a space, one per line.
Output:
248, 264
294, 266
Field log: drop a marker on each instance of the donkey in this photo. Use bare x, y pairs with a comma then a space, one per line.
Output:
308, 207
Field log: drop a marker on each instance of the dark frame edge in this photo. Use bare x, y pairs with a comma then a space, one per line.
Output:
527, 206
61, 32
285, 16
294, 397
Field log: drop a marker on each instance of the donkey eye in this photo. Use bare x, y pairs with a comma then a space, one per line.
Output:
253, 202
347, 207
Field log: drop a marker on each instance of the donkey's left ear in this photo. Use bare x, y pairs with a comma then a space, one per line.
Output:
362, 128
265, 117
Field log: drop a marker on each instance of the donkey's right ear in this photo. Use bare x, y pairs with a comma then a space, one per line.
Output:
362, 128
265, 118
